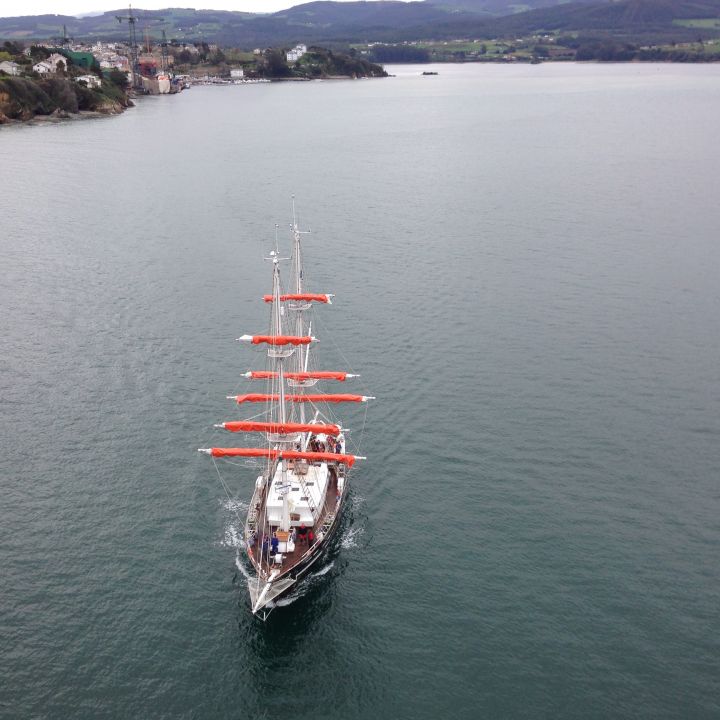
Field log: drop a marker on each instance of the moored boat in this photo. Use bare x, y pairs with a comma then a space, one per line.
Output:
298, 499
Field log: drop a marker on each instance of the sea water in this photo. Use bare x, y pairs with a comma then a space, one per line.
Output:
525, 261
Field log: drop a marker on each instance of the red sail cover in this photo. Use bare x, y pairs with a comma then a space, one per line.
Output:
280, 428
253, 397
281, 340
307, 297
349, 460
318, 375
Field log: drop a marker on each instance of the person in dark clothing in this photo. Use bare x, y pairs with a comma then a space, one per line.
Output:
274, 544
302, 532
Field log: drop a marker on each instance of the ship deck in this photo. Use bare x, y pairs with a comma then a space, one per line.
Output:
325, 518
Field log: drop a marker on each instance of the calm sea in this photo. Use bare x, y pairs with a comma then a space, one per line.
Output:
526, 267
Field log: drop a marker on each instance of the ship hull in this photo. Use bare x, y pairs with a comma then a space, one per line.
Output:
264, 592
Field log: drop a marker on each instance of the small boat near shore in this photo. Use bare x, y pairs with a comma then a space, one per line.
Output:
299, 496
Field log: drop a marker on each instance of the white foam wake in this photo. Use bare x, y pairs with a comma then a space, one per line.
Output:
356, 501
233, 530
323, 570
350, 538
241, 566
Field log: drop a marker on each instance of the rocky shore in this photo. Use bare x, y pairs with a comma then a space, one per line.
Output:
55, 99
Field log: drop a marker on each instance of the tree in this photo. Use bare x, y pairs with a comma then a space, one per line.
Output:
12, 47
118, 78
37, 52
275, 64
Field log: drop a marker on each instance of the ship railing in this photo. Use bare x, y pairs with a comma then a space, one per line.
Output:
292, 382
280, 352
279, 438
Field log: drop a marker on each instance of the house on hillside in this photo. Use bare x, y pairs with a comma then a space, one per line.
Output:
92, 81
56, 60
9, 67
296, 53
50, 66
43, 67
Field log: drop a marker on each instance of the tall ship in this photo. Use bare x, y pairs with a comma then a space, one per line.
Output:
305, 454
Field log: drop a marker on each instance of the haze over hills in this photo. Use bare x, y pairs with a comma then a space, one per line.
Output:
499, 8
391, 21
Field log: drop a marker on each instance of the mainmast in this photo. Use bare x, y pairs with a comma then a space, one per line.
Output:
278, 354
303, 355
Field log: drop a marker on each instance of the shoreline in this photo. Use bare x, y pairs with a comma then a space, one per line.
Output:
59, 118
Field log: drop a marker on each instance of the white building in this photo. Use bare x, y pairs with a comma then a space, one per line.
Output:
236, 73
92, 81
111, 60
10, 67
51, 65
56, 60
43, 67
296, 53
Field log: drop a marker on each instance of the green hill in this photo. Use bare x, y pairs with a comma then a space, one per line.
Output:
391, 21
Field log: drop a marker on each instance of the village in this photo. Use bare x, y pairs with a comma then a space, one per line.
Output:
151, 70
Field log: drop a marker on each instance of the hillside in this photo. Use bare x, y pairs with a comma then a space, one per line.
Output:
24, 98
498, 8
390, 21
638, 20
308, 22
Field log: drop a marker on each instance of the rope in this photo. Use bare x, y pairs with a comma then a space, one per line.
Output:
227, 491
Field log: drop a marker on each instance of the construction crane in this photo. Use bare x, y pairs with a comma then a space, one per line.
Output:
164, 51
131, 20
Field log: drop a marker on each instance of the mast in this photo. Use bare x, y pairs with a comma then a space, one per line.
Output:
278, 355
302, 355
275, 331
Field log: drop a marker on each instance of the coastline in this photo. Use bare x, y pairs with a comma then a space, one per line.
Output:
57, 118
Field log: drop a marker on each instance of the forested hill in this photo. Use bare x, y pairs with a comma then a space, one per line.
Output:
649, 20
498, 8
390, 21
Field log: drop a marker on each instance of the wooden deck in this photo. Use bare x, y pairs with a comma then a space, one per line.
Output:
325, 519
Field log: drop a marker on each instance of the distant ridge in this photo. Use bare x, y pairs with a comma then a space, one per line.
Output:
390, 21
622, 18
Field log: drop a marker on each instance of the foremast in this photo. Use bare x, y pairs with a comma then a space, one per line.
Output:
278, 411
